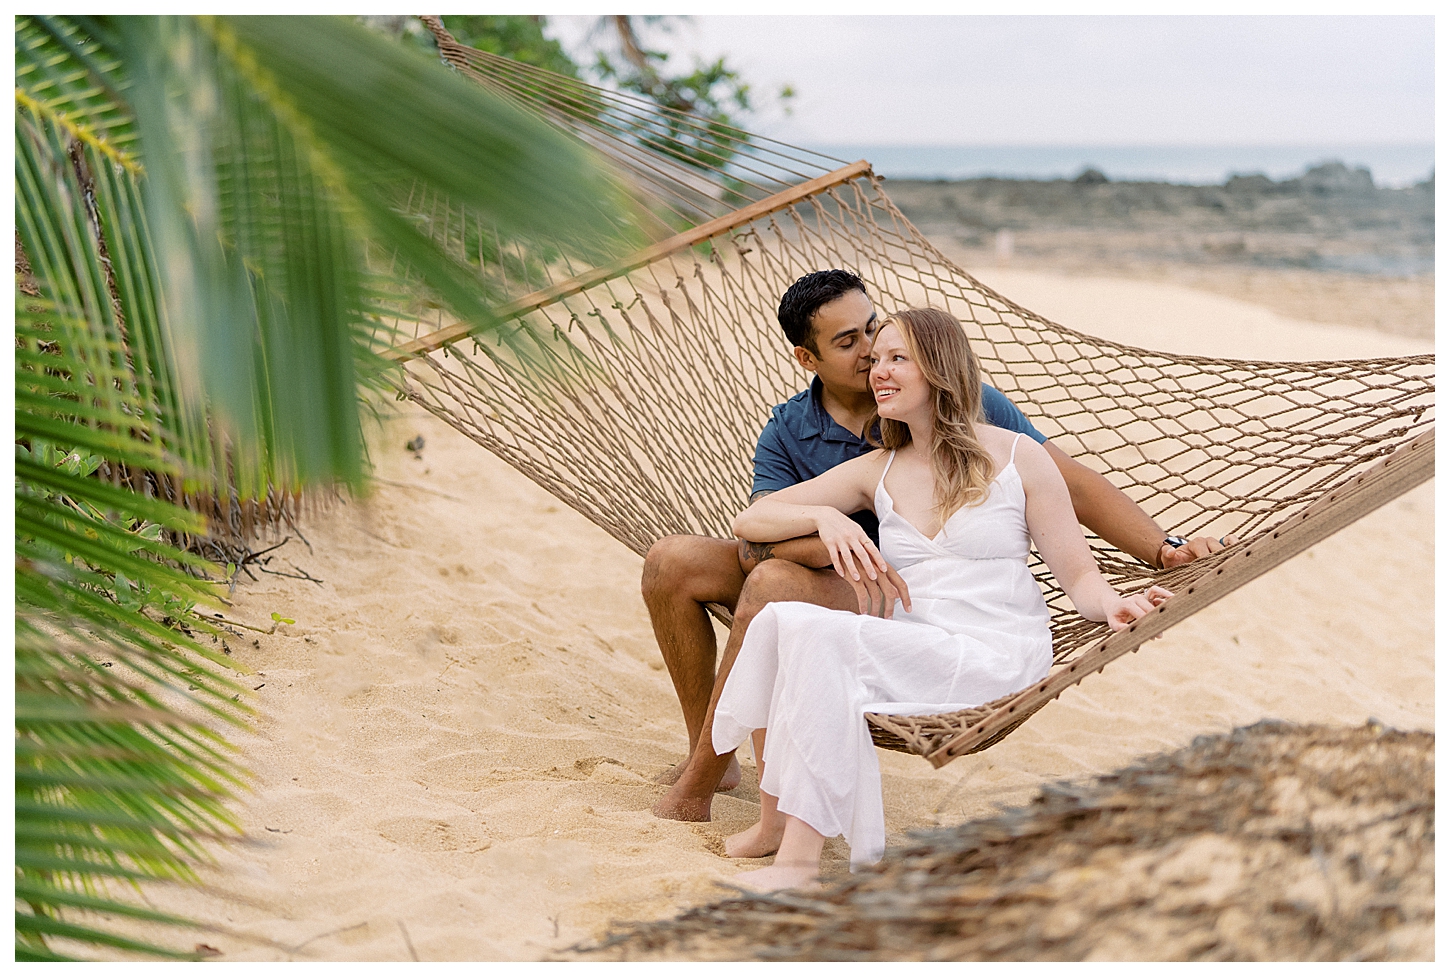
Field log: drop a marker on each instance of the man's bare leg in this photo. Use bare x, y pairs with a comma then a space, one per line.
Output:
681, 575
775, 580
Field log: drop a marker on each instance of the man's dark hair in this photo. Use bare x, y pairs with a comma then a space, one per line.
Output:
809, 293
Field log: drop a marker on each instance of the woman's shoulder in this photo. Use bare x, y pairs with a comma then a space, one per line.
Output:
1004, 446
872, 461
997, 440
993, 437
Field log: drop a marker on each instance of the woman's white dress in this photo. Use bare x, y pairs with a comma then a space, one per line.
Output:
978, 630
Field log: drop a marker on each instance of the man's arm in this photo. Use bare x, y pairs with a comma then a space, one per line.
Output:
808, 551
1102, 507
774, 470
1099, 504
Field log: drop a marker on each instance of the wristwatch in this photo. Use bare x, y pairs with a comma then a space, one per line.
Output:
1173, 541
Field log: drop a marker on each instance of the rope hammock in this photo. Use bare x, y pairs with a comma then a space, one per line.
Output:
634, 392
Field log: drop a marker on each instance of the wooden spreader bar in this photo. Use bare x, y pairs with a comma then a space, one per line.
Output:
680, 242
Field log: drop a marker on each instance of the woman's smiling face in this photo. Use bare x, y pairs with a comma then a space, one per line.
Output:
900, 390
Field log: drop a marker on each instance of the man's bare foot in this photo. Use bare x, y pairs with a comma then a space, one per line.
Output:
756, 841
730, 781
794, 876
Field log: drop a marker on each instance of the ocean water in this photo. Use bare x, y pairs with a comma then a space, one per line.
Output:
1391, 165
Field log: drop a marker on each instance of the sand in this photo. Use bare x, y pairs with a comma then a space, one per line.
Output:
455, 740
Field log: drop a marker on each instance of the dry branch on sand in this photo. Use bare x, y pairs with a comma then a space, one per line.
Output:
1276, 841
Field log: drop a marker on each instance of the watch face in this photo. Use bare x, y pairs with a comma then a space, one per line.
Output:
1175, 541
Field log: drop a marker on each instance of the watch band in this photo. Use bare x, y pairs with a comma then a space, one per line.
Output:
1173, 541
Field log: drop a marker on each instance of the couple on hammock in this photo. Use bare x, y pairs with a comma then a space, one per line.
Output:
881, 567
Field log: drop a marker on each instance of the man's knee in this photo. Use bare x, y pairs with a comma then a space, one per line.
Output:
676, 564
775, 580
664, 562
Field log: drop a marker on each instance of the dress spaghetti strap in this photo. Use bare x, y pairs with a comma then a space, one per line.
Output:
889, 459
1010, 458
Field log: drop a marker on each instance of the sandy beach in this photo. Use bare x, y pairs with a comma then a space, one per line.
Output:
455, 741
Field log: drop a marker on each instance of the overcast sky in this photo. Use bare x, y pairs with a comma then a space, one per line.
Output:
1097, 80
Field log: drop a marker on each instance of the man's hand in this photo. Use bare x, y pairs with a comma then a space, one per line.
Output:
877, 596
1169, 556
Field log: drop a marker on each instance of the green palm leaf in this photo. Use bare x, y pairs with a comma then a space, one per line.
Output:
115, 776
315, 132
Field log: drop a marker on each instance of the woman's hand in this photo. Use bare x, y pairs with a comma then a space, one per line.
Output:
1122, 611
851, 549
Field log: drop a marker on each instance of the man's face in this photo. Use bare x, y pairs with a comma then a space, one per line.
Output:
843, 328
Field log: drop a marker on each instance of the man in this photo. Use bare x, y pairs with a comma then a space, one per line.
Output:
830, 321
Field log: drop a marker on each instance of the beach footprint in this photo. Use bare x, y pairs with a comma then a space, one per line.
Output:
607, 770
434, 835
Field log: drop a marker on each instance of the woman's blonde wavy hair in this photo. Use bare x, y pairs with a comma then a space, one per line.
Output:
961, 467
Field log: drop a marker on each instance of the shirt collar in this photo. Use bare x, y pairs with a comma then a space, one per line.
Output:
819, 423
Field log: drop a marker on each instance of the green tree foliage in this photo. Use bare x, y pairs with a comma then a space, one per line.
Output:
214, 217
519, 37
713, 91
708, 90
513, 36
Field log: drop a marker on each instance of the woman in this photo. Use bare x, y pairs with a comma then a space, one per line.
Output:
957, 500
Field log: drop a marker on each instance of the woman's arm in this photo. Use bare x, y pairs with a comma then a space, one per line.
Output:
1054, 528
819, 506
875, 594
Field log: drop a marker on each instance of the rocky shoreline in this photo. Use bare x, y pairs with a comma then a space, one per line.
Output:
1331, 219
1328, 246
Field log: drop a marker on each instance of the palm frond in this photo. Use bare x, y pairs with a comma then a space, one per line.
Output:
201, 204
263, 207
119, 775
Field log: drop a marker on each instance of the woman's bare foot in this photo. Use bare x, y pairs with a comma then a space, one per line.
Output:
796, 875
730, 781
756, 841
798, 861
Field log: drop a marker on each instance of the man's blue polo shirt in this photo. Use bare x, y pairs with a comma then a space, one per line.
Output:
801, 440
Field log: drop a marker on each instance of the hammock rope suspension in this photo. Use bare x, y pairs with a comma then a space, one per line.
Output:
634, 392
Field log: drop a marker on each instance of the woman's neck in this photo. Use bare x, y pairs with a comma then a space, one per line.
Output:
921, 431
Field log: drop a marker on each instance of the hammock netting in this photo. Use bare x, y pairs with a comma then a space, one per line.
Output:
634, 392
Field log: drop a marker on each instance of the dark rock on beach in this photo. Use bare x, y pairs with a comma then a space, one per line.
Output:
1274, 842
